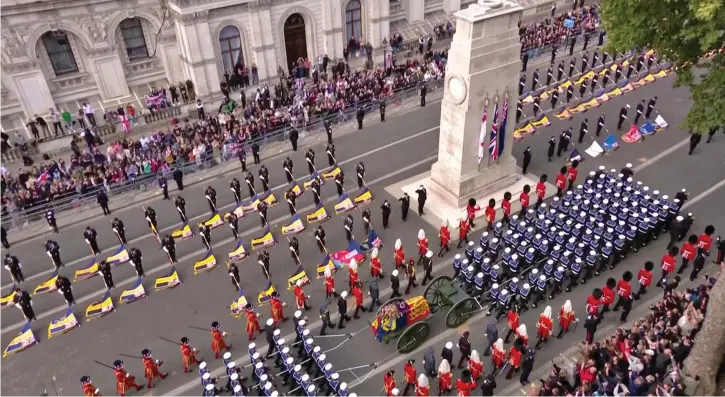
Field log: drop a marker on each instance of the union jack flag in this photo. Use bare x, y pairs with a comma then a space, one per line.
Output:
493, 142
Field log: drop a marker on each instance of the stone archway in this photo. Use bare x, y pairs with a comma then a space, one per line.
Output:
295, 39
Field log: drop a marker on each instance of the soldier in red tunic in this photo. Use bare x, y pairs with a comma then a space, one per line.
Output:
422, 388
445, 378
376, 267
329, 284
524, 200
566, 316
522, 334
544, 327
389, 383
409, 376
668, 264
571, 173
88, 388
188, 354
124, 380
512, 321
475, 365
358, 295
444, 235
490, 214
607, 297
514, 358
399, 254
217, 340
151, 368
644, 277
252, 321
300, 297
561, 182
506, 207
465, 384
277, 308
352, 273
463, 229
498, 355
541, 190
422, 247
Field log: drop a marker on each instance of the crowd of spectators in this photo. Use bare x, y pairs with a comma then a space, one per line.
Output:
554, 30
645, 359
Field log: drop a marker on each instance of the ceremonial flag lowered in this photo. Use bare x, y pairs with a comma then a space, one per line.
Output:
344, 257
22, 341
524, 131
250, 205
344, 204
294, 227
493, 142
9, 299
373, 241
575, 156
332, 173
595, 150
64, 324
482, 135
502, 131
100, 308
170, 280
88, 271
239, 211
610, 143
661, 123
326, 264
647, 128
299, 274
121, 256
633, 135
267, 240
315, 176
297, 190
134, 293
205, 264
238, 306
364, 197
239, 253
266, 294
47, 286
318, 215
214, 221
270, 199
183, 233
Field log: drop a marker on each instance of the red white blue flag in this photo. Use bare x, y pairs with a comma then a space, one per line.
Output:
502, 130
493, 142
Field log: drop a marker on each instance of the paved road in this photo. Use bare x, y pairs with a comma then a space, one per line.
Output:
205, 298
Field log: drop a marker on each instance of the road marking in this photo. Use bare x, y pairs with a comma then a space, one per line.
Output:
661, 155
196, 253
704, 194
85, 259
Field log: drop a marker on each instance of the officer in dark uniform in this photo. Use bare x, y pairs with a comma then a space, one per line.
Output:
12, 263
242, 154
560, 71
150, 215
585, 62
564, 139
650, 107
600, 124
255, 152
342, 310
179, 178
64, 288
4, 237
360, 115
330, 150
595, 58
90, 236
348, 224
386, 213
328, 130
293, 138
422, 197
553, 56
423, 92
605, 79
524, 62
102, 199
522, 84
554, 99
119, 229
340, 183
583, 130
25, 303
320, 238
527, 160
395, 284
618, 73
263, 260
325, 318
264, 177
537, 106
236, 189
50, 217
310, 158
249, 178
381, 104
262, 209
164, 185
180, 205
549, 76
519, 110
404, 206
552, 148
294, 247
639, 112
136, 260
605, 56
572, 43
234, 274
291, 198
53, 250
622, 116
572, 66
233, 221
535, 80
569, 93
583, 89
288, 167
427, 267
105, 269
316, 195
360, 170
169, 245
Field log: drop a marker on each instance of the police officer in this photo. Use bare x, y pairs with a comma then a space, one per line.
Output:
328, 130
360, 115
382, 110
263, 260
249, 178
102, 199
330, 150
236, 189
360, 171
262, 209
385, 213
422, 197
205, 233
105, 269
264, 177
169, 245
119, 229
50, 217
180, 205
320, 238
90, 236
164, 185
348, 224
233, 272
13, 265
233, 221
210, 194
288, 166
294, 247
64, 288
367, 221
136, 260
423, 92
310, 159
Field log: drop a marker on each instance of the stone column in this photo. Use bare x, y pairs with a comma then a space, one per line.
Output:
197, 53
263, 40
379, 23
450, 6
415, 10
483, 64
168, 51
26, 80
109, 73
333, 29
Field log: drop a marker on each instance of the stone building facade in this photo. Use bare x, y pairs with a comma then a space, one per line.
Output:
61, 53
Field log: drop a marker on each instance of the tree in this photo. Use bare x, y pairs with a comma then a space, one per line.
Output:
707, 353
681, 31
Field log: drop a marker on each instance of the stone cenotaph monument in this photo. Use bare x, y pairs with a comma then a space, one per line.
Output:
482, 72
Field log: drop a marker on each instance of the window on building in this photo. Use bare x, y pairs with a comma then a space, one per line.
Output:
60, 52
133, 38
353, 20
230, 43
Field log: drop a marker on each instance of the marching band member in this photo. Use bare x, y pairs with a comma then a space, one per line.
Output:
544, 327
444, 234
475, 365
217, 340
124, 380
399, 254
445, 380
188, 354
566, 316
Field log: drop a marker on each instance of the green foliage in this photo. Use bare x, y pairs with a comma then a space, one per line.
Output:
680, 31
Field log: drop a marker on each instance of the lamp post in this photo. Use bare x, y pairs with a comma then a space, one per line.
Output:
385, 52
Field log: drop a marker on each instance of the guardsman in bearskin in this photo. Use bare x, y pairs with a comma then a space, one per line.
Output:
399, 254
465, 384
644, 277
252, 321
409, 376
566, 317
124, 380
389, 382
88, 388
444, 234
151, 368
514, 358
217, 340
188, 354
512, 321
277, 308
